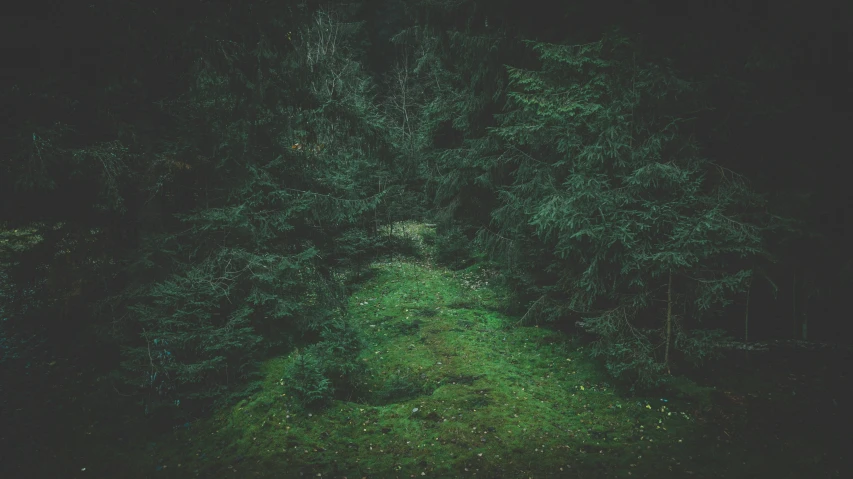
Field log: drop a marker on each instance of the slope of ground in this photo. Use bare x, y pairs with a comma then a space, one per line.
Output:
453, 388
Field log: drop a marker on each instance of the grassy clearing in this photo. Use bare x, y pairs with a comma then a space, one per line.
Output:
453, 389
450, 390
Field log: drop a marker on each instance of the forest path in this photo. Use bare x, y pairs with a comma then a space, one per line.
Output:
454, 388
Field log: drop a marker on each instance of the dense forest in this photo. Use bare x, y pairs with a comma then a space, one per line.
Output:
440, 238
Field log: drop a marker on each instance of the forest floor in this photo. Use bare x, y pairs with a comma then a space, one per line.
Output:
454, 388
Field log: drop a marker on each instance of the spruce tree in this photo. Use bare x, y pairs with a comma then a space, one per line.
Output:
279, 152
442, 92
614, 214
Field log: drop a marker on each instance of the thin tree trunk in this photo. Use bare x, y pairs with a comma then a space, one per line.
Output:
746, 315
668, 323
794, 306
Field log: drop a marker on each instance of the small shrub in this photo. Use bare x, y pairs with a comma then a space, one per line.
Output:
341, 344
327, 367
453, 248
306, 378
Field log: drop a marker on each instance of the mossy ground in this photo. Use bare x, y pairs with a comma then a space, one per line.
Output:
454, 388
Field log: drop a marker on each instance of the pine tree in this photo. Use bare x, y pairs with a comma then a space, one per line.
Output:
279, 153
634, 229
447, 82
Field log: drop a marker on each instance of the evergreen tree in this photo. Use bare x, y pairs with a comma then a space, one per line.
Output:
442, 93
634, 229
279, 151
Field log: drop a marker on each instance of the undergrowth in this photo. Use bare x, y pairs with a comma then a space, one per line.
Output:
446, 386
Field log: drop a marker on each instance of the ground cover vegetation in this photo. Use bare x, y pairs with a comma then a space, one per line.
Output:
435, 238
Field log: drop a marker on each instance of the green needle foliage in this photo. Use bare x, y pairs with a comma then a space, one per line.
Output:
272, 182
613, 214
209, 201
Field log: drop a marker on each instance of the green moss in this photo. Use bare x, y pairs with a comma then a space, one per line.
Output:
454, 390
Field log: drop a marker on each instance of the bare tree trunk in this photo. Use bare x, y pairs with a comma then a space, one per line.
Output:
794, 306
746, 315
668, 323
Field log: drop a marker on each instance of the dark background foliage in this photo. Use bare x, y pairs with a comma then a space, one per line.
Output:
188, 188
